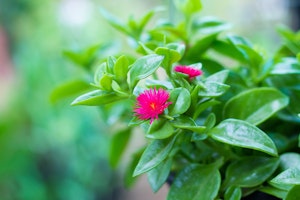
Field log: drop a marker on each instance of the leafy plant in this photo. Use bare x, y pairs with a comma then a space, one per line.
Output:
216, 128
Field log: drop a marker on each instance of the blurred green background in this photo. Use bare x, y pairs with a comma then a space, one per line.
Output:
50, 150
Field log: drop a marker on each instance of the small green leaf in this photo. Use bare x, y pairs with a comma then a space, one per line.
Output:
289, 160
287, 66
118, 144
233, 193
196, 182
69, 89
143, 67
294, 193
181, 100
96, 98
114, 21
243, 134
155, 153
289, 177
219, 77
105, 82
188, 7
250, 171
255, 105
213, 89
160, 129
129, 180
121, 68
188, 123
159, 174
209, 25
279, 193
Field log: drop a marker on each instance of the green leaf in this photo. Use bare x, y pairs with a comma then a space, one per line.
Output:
250, 171
227, 49
294, 193
96, 98
68, 89
172, 53
213, 89
196, 182
155, 153
121, 68
129, 180
158, 175
188, 123
289, 160
279, 193
114, 21
200, 46
255, 105
181, 101
188, 7
160, 129
287, 66
143, 67
219, 77
289, 177
118, 145
233, 193
243, 134
105, 82
209, 25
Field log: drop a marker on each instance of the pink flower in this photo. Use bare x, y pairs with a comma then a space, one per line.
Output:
151, 103
190, 71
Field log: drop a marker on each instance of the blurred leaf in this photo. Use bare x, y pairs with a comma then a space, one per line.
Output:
233, 193
213, 89
69, 89
250, 171
188, 7
114, 21
227, 49
96, 98
143, 67
105, 82
294, 193
129, 180
155, 153
243, 134
196, 182
219, 77
159, 174
181, 100
279, 193
255, 105
289, 160
160, 129
287, 66
118, 145
209, 25
86, 57
200, 46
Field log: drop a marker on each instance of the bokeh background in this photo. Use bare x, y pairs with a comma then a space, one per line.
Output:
52, 151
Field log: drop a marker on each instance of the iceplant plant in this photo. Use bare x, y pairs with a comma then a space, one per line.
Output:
215, 129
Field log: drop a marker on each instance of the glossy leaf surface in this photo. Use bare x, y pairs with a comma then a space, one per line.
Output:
243, 134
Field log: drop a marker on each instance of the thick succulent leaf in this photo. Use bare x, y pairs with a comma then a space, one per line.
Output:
196, 182
243, 134
255, 105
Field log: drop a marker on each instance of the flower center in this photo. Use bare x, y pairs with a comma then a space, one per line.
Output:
153, 105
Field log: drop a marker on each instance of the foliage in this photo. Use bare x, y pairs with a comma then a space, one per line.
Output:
226, 133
